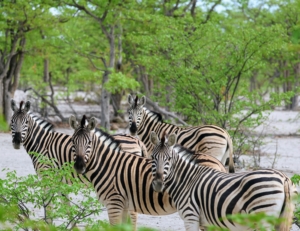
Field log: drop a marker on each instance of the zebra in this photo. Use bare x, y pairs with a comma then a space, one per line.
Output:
203, 195
129, 143
38, 136
208, 139
121, 179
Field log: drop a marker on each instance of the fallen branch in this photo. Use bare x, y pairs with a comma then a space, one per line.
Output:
160, 110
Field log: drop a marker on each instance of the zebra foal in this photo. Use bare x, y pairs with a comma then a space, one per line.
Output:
207, 139
203, 195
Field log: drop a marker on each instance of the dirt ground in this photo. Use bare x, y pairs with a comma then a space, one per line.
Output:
283, 139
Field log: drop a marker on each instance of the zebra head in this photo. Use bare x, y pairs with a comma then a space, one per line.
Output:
161, 157
135, 112
19, 123
81, 142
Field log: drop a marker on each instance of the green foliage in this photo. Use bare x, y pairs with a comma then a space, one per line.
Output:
3, 124
29, 197
33, 202
296, 181
256, 221
118, 82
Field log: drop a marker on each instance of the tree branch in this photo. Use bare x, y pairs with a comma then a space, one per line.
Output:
163, 111
210, 11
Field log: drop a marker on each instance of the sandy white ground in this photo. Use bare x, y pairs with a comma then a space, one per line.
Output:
288, 160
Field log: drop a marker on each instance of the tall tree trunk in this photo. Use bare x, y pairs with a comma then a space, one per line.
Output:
116, 98
44, 92
105, 98
11, 80
105, 95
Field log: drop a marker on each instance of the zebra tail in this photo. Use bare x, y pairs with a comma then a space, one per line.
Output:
288, 207
231, 163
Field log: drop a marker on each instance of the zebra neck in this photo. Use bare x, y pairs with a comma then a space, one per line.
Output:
105, 138
183, 168
150, 121
32, 141
103, 145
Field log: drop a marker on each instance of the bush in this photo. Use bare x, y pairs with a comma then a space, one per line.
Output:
34, 202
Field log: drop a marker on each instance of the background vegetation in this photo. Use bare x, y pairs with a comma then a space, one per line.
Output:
210, 61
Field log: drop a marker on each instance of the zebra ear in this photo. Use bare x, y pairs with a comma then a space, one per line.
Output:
130, 99
27, 106
92, 123
172, 139
13, 105
154, 138
73, 122
142, 101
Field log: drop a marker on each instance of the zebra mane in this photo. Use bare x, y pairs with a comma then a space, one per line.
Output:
21, 105
136, 101
156, 115
163, 139
83, 120
47, 126
185, 154
106, 136
100, 133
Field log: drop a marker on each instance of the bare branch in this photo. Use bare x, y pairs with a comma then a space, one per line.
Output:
163, 111
210, 11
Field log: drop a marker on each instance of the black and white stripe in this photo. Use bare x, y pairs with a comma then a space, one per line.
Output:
203, 195
38, 136
208, 139
122, 180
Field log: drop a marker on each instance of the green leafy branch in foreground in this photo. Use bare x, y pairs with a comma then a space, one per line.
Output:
30, 202
34, 200
296, 181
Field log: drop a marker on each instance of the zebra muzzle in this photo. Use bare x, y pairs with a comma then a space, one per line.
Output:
80, 165
133, 128
17, 140
158, 185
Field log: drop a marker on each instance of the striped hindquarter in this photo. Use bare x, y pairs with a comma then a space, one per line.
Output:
122, 180
131, 144
203, 195
208, 139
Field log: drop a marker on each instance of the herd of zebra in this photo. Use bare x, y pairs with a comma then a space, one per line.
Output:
167, 169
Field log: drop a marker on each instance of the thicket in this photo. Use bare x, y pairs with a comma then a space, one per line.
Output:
43, 203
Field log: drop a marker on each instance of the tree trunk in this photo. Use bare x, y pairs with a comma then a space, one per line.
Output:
116, 103
44, 109
105, 98
105, 95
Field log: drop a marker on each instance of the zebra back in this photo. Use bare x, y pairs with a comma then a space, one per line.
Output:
125, 142
46, 125
131, 145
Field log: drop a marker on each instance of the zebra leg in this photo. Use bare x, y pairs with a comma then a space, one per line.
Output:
133, 217
115, 214
190, 219
191, 224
